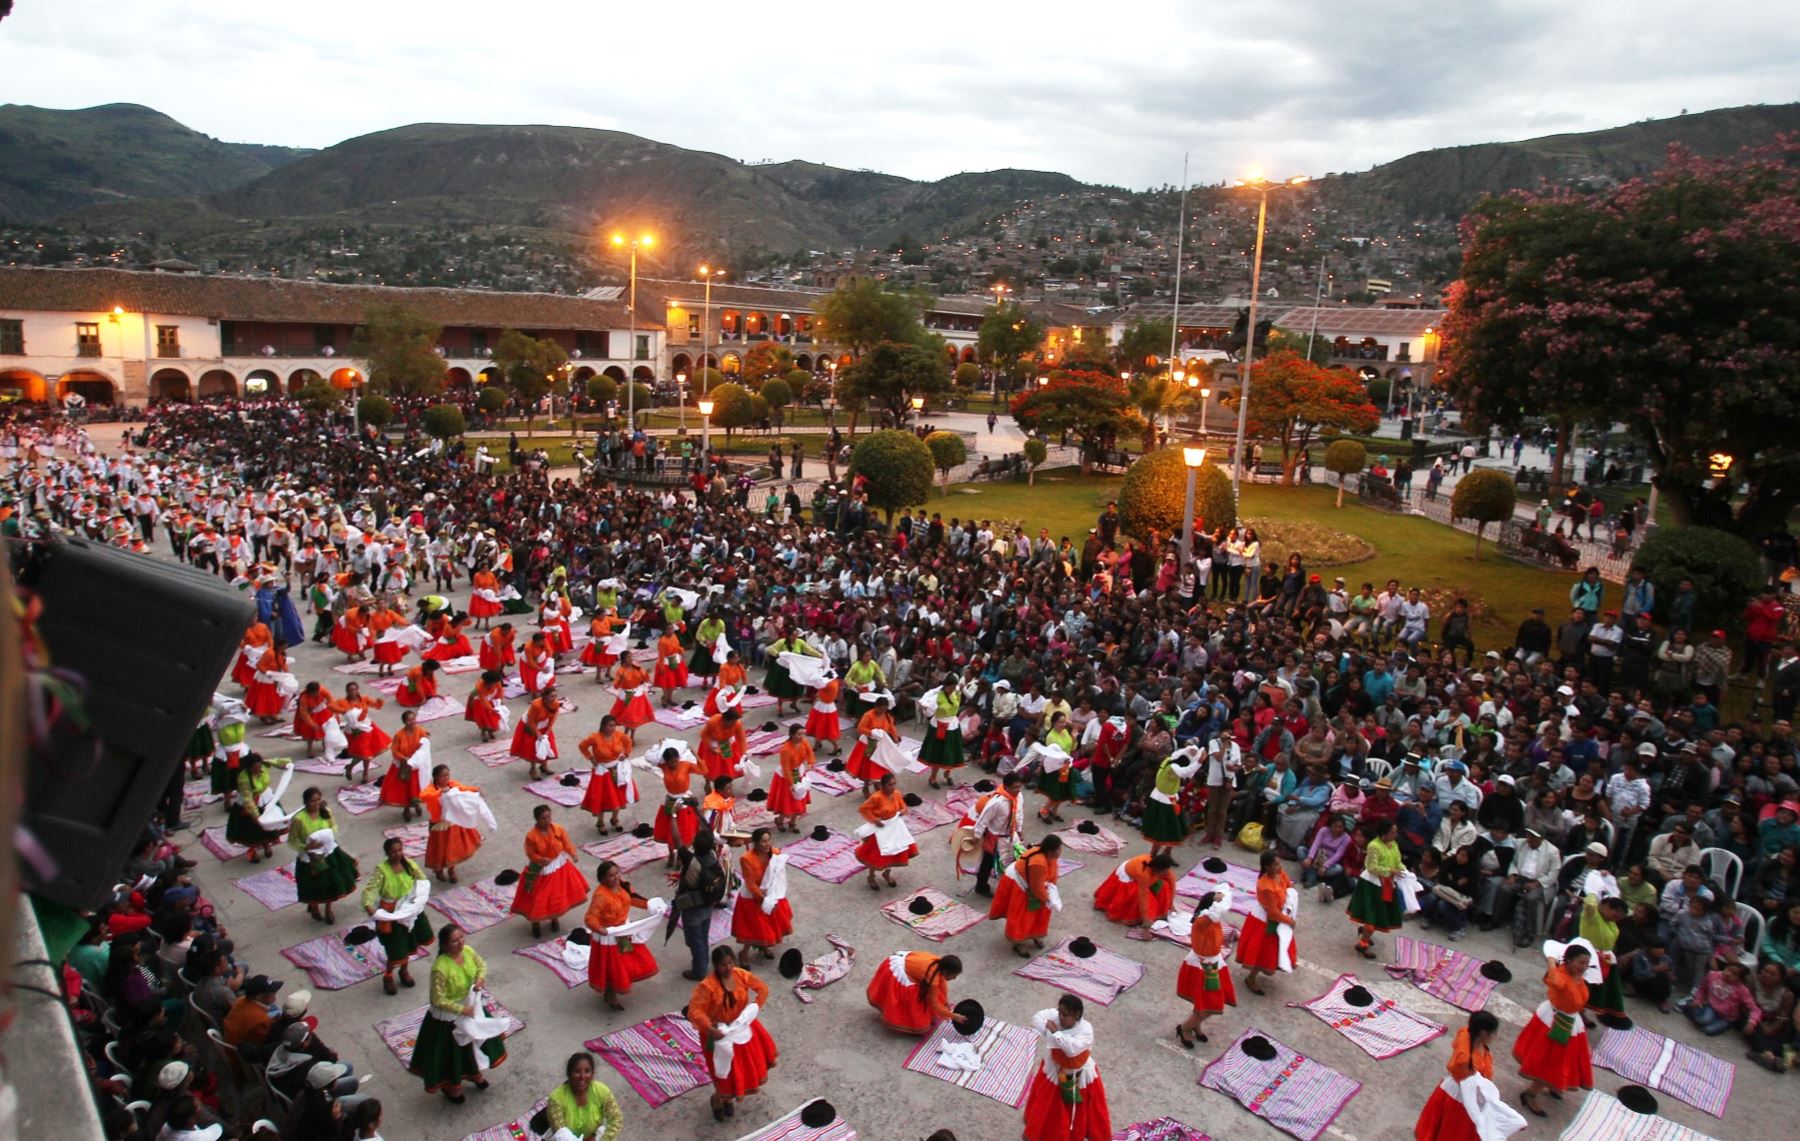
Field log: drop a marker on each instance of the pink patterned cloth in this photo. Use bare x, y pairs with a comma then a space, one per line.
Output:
476, 906
946, 918
660, 1057
832, 859
401, 1032
1381, 1030
1290, 1091
551, 955
274, 889
1105, 842
494, 753
1102, 978
412, 837
826, 969
553, 790
627, 851
515, 1130
359, 798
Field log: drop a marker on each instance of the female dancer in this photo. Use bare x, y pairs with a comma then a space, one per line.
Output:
1028, 894
632, 708
551, 883
324, 873
796, 761
392, 881
1205, 978
1066, 1100
861, 764
1444, 1117
756, 920
1259, 947
739, 1053
447, 844
367, 740
615, 961
822, 722
1163, 824
912, 990
244, 825
1140, 891
883, 805
404, 784
1552, 1050
611, 786
486, 705
438, 1058
1375, 904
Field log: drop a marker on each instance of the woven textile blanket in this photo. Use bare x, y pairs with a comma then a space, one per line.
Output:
553, 790
468, 665
947, 917
514, 1130
1242, 880
627, 851
1382, 1029
401, 1032
718, 928
927, 815
1102, 978
1290, 1091
385, 686
332, 966
197, 794
439, 707
789, 1127
213, 840
279, 733
961, 799
412, 837
1105, 842
826, 969
763, 742
494, 753
1604, 1118
679, 718
1649, 1059
832, 784
358, 668
274, 889
551, 955
1441, 972
659, 1058
359, 798
1162, 1129
476, 906
831, 859
1008, 1058
322, 766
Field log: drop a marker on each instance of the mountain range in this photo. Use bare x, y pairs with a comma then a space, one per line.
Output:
123, 168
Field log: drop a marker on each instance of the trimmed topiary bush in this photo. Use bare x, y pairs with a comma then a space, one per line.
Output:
898, 468
1345, 458
1726, 571
445, 422
1155, 492
375, 410
492, 399
947, 450
1486, 496
1036, 452
602, 389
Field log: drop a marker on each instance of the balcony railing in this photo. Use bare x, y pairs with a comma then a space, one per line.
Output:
276, 351
169, 352
87, 350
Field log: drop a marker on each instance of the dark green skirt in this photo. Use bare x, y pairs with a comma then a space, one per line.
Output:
1370, 910
442, 1063
201, 743
326, 880
1609, 996
242, 828
400, 943
224, 777
944, 752
1162, 823
777, 683
1057, 785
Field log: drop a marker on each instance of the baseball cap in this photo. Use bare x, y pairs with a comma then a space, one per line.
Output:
1597, 849
1646, 750
261, 984
171, 1075
1503, 778
323, 1074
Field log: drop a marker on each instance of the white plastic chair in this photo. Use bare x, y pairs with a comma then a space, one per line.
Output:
111, 1050
1752, 920
1379, 769
1724, 867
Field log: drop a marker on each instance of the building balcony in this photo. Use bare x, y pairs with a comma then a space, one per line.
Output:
277, 352
168, 352
87, 350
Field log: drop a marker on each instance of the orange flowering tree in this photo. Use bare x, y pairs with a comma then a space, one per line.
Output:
1294, 400
1094, 406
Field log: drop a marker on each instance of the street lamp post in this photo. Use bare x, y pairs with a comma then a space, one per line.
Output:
1001, 289
831, 368
355, 404
1205, 395
681, 395
1262, 186
646, 241
1193, 457
705, 405
918, 404
707, 273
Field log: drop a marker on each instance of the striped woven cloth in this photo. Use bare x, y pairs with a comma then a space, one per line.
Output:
514, 1130
1679, 1070
946, 918
659, 1058
274, 889
1441, 972
928, 814
1162, 1129
627, 851
494, 753
555, 791
1290, 1091
1381, 1029
401, 1032
1242, 880
197, 794
789, 1127
1102, 978
213, 840
1008, 1058
832, 784
832, 859
412, 837
551, 955
476, 906
358, 799
332, 966
1604, 1118
1105, 842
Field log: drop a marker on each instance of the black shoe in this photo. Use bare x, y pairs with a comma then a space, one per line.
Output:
692, 976
983, 889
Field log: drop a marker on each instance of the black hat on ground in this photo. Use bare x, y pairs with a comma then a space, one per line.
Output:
769, 726
357, 936
540, 1122
1088, 828
834, 766
818, 1114
790, 963
757, 795
643, 831
581, 937
821, 833
919, 905
1496, 970
1358, 996
911, 800
507, 878
1215, 866
973, 1016
1637, 1099
570, 780
984, 786
1259, 1048
1082, 947
752, 690
687, 704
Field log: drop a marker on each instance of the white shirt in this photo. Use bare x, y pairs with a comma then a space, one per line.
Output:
1628, 797
1223, 760
1540, 863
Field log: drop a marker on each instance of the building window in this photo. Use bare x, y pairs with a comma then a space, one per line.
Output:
87, 339
693, 325
643, 347
1405, 351
12, 338
477, 342
168, 340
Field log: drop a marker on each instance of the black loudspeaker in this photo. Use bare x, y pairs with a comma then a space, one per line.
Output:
150, 640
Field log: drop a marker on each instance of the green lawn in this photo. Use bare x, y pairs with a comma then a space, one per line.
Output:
1412, 549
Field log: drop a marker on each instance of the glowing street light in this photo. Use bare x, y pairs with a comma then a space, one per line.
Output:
707, 273
1262, 186
1193, 458
681, 397
644, 241
1205, 395
706, 410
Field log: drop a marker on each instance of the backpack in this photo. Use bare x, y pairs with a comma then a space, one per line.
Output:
1250, 837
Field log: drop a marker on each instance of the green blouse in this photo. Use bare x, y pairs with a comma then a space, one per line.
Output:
1383, 858
451, 980
303, 825
598, 1120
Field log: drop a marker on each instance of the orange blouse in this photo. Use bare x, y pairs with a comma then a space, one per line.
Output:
1567, 993
668, 649
313, 710
611, 906
937, 994
540, 717
751, 868
882, 806
1465, 1061
714, 1005
719, 734
542, 847
604, 748
1271, 892
876, 719
419, 683
501, 643
828, 693
406, 742
1038, 871
796, 754
630, 675
433, 796
487, 692
601, 627
678, 778
733, 675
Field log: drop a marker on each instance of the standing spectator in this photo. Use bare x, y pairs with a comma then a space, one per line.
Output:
1712, 666
1763, 619
1629, 795
1604, 642
1640, 594
1587, 594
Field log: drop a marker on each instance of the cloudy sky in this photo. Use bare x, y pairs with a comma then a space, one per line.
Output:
1110, 93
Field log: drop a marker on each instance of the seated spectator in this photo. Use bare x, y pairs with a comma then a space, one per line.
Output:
1673, 851
252, 1016
1721, 1002
1455, 830
1769, 1027
1677, 892
1453, 894
1650, 972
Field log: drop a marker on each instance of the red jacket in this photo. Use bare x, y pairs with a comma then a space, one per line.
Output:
1763, 619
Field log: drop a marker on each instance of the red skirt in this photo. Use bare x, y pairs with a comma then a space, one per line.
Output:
389, 653
1191, 985
751, 927
480, 607
750, 1064
901, 1007
670, 677
490, 659
635, 712
401, 786
858, 765
1022, 920
262, 699
782, 801
1120, 901
605, 795
524, 744
347, 640
869, 854
411, 698
457, 647
687, 822
371, 743
1259, 947
612, 969
821, 726
307, 729
594, 654
558, 638
1049, 1118
1564, 1065
482, 712
242, 671
551, 895
713, 763
1444, 1119
447, 847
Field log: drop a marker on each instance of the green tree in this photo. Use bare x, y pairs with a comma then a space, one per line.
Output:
375, 410
1670, 304
1154, 496
320, 395
1310, 346
731, 407
767, 359
1144, 345
1486, 496
493, 398
444, 422
891, 373
1345, 457
1007, 336
759, 409
947, 451
642, 398
1154, 396
529, 366
400, 349
703, 381
1726, 571
1035, 452
1092, 405
602, 389
861, 314
1292, 399
966, 377
898, 468
778, 395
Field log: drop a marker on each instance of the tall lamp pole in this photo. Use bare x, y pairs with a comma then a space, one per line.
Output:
355, 404
1180, 240
1193, 457
705, 404
1262, 186
646, 241
1001, 289
707, 273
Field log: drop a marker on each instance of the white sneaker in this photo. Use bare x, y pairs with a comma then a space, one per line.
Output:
1325, 893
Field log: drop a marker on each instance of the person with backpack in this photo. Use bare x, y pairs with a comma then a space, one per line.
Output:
701, 883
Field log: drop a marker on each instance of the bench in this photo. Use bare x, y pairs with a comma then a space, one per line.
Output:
1110, 459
